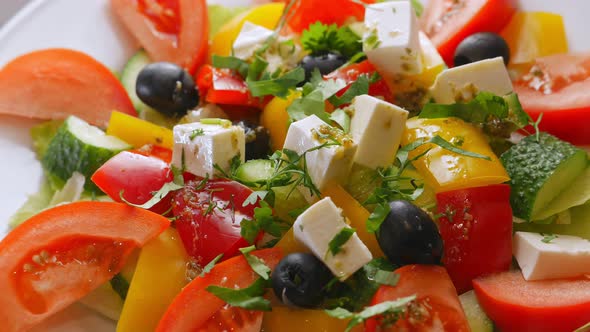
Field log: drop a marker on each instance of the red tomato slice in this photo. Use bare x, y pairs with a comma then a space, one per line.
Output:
209, 216
159, 152
515, 304
56, 83
136, 176
222, 86
195, 309
476, 227
169, 30
557, 86
306, 12
352, 72
448, 22
437, 306
61, 254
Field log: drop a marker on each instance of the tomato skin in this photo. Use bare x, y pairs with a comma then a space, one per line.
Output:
556, 86
222, 86
135, 177
515, 304
183, 40
33, 291
476, 227
351, 73
194, 306
462, 19
55, 83
434, 292
209, 218
306, 12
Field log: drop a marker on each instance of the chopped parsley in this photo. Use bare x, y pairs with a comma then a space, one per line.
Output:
210, 265
263, 221
320, 38
335, 245
256, 263
547, 238
197, 132
377, 217
341, 117
250, 298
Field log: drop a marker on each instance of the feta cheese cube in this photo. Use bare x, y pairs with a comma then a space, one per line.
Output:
317, 226
561, 256
391, 40
328, 164
377, 127
202, 146
251, 37
464, 82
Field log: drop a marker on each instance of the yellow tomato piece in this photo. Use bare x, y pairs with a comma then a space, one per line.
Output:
287, 319
290, 245
138, 132
357, 214
444, 170
158, 278
534, 34
275, 119
266, 15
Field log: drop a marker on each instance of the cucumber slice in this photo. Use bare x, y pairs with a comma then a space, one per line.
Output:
129, 77
255, 171
476, 317
540, 171
79, 147
362, 181
105, 301
577, 194
579, 224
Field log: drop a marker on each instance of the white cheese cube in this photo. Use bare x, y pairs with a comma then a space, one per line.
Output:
391, 39
251, 37
202, 146
377, 127
325, 165
462, 83
317, 226
560, 256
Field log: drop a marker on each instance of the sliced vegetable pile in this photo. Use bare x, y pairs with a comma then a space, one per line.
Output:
329, 165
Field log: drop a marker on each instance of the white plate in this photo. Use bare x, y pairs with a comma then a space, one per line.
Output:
89, 26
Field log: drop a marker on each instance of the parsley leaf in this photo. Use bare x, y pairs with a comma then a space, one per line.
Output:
396, 307
263, 221
210, 265
279, 87
357, 88
320, 38
157, 196
248, 298
231, 62
386, 278
253, 198
378, 217
342, 119
335, 245
547, 238
256, 263
197, 132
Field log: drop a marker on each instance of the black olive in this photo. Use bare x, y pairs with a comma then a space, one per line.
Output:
167, 88
300, 280
325, 63
408, 235
257, 140
481, 46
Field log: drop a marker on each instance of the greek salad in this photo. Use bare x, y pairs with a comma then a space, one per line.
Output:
317, 165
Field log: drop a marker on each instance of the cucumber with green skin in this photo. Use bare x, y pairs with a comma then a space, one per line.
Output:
79, 147
476, 317
539, 171
255, 171
129, 77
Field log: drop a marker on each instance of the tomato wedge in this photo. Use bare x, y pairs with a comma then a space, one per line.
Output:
222, 86
306, 12
448, 22
169, 30
557, 86
476, 227
135, 177
61, 254
195, 309
515, 304
437, 306
56, 83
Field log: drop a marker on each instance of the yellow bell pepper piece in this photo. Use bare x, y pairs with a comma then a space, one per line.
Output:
138, 132
534, 34
275, 119
444, 170
287, 319
266, 15
159, 276
357, 214
290, 245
